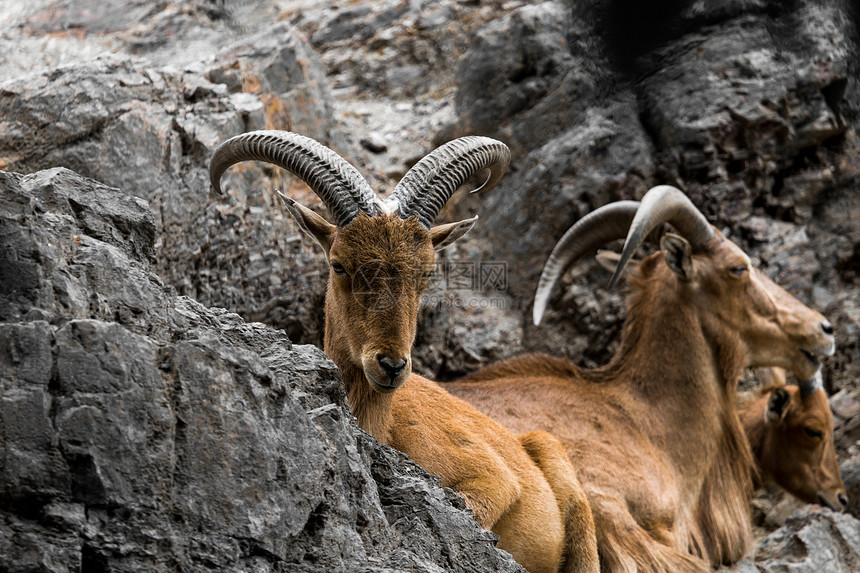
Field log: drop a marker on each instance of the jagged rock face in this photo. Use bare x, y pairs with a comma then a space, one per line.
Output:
750, 106
812, 540
144, 431
149, 131
751, 109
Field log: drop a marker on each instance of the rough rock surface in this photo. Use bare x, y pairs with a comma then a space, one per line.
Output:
143, 431
148, 132
750, 106
813, 539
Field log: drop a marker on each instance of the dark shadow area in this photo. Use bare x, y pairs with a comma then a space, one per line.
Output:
633, 28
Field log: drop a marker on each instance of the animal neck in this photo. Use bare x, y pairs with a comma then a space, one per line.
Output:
680, 366
669, 348
371, 409
723, 519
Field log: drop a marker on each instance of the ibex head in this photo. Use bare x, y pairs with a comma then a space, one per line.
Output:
796, 449
381, 253
698, 274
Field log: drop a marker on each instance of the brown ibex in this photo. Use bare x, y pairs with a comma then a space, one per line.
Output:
381, 254
655, 435
790, 430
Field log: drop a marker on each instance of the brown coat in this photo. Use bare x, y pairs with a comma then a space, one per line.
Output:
655, 435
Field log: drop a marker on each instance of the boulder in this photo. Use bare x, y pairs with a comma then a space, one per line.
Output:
150, 132
813, 539
145, 431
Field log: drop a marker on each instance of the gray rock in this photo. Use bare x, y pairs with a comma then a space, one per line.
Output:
526, 76
850, 469
291, 79
392, 48
374, 142
813, 539
144, 431
461, 329
846, 420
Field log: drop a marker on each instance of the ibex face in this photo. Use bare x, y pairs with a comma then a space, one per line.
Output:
734, 298
380, 253
380, 266
795, 449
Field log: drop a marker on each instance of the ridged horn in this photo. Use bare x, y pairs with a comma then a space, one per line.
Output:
426, 187
608, 223
664, 204
340, 186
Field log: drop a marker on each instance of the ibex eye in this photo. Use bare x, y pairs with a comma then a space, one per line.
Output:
813, 433
738, 271
338, 268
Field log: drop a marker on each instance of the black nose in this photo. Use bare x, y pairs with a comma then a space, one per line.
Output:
827, 328
392, 368
843, 499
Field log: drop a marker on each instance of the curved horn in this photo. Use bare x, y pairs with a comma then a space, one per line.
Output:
664, 204
340, 186
605, 224
426, 187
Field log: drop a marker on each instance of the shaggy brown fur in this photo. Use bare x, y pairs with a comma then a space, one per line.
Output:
523, 488
655, 434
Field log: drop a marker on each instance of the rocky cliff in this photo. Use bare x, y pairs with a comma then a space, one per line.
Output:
145, 428
142, 431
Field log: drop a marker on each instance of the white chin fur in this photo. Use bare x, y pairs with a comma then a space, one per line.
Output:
816, 381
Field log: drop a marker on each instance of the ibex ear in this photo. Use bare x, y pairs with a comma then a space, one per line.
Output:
609, 261
444, 235
312, 224
777, 405
679, 255
773, 376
